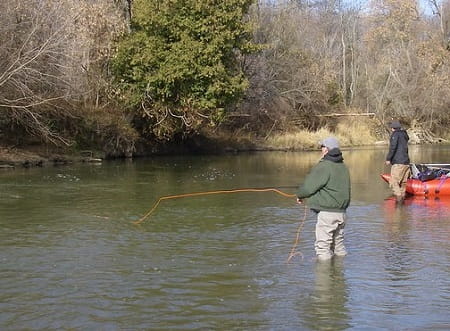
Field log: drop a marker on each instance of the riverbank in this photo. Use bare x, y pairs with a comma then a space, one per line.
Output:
350, 136
12, 157
39, 156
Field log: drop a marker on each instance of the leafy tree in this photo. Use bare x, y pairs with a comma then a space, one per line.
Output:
178, 68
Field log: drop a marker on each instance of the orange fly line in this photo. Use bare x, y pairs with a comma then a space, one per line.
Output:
185, 195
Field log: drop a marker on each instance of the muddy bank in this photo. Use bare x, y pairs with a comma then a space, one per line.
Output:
13, 157
42, 155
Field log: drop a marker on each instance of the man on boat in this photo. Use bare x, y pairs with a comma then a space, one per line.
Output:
398, 158
327, 191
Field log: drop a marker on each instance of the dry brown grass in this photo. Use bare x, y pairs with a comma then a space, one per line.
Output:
348, 132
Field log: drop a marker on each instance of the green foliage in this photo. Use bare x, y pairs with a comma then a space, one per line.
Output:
179, 66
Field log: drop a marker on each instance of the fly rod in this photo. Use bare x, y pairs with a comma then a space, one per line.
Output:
293, 252
240, 190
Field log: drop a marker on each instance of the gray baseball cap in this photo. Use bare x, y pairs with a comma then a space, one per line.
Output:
330, 142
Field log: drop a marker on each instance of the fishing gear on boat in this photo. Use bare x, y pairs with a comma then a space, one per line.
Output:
427, 179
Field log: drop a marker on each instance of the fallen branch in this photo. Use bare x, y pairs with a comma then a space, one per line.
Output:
346, 114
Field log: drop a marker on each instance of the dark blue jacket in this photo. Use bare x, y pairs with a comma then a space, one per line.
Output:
398, 147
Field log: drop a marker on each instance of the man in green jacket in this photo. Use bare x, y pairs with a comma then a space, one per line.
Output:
327, 192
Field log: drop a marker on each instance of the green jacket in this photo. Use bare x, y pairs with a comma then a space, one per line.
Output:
327, 186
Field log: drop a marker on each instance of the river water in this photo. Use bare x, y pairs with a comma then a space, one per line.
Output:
71, 257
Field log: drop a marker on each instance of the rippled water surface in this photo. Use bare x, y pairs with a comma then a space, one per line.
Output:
71, 257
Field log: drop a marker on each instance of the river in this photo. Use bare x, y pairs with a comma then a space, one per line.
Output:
72, 258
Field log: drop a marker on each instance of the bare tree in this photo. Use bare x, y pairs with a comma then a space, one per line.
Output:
309, 67
442, 10
323, 56
50, 51
404, 71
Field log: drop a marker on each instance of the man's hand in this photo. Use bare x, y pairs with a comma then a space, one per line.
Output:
299, 201
388, 162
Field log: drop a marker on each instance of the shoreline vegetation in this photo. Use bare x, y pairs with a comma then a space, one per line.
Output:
351, 135
98, 79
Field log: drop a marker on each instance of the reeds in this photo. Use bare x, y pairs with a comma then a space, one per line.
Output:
349, 133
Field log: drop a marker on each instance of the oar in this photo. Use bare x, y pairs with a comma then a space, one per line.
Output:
436, 165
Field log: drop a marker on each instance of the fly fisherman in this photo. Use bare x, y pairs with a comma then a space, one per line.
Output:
399, 159
327, 192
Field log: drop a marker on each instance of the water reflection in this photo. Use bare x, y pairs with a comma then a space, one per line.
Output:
397, 244
409, 229
327, 307
417, 208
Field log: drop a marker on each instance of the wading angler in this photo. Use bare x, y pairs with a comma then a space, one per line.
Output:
327, 192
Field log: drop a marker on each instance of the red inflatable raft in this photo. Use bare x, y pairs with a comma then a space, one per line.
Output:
435, 187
